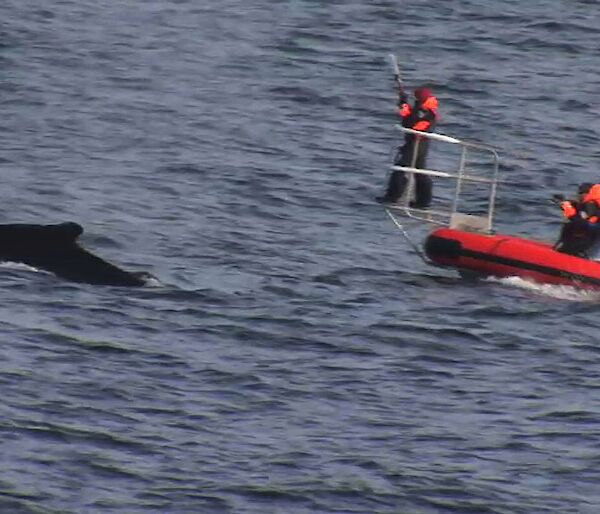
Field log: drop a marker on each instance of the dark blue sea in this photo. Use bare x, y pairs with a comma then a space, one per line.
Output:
295, 356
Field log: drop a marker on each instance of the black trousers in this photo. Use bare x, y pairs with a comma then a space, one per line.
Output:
398, 180
576, 238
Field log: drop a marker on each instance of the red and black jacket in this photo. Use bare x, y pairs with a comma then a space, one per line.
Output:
420, 116
588, 208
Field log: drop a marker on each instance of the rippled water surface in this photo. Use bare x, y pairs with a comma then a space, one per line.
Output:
297, 356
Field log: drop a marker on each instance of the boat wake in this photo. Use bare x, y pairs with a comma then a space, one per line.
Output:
559, 292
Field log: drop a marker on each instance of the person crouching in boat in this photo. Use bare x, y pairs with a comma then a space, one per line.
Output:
580, 235
422, 115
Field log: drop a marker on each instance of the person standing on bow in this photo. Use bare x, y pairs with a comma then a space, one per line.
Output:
422, 115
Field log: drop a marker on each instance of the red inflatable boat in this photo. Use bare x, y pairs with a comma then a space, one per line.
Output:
505, 256
466, 241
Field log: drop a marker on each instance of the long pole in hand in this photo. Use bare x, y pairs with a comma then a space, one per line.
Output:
396, 69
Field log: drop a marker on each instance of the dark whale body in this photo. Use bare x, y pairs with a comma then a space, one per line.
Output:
54, 248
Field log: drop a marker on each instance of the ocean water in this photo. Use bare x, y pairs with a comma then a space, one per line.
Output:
296, 355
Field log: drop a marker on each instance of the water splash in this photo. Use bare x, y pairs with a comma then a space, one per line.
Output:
21, 267
560, 292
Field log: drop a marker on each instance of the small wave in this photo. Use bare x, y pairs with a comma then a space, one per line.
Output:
560, 292
21, 267
152, 281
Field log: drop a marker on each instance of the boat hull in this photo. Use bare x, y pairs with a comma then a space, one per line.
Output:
505, 256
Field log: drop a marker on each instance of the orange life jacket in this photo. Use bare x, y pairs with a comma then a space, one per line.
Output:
425, 115
593, 196
568, 209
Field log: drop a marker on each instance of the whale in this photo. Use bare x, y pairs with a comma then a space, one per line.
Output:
55, 248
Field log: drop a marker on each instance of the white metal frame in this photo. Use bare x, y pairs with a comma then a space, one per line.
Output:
450, 218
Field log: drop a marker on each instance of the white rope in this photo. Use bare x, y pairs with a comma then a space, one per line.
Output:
414, 246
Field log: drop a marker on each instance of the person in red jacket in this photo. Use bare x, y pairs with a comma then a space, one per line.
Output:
422, 115
581, 233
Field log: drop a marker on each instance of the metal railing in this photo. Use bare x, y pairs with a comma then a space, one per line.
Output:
449, 217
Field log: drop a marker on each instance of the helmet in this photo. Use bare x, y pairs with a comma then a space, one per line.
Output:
423, 93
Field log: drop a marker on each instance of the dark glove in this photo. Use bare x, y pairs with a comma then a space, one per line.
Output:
558, 197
